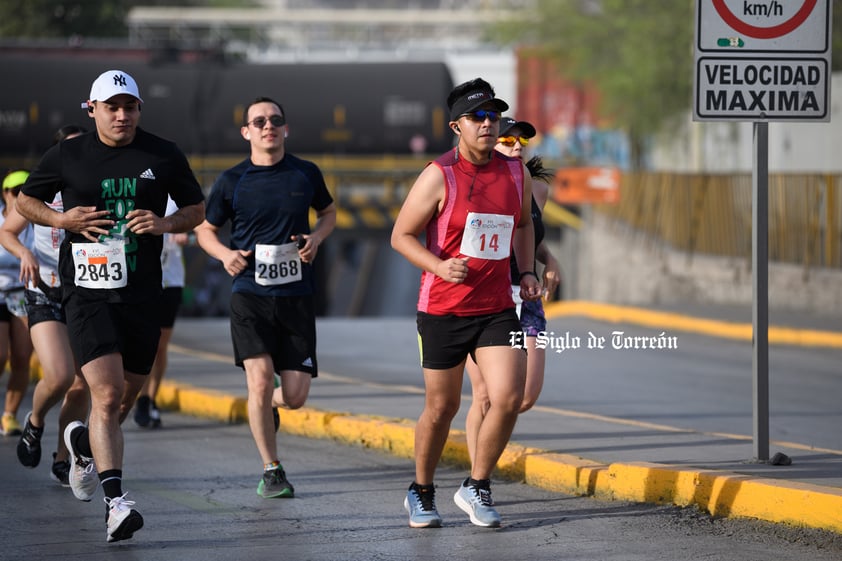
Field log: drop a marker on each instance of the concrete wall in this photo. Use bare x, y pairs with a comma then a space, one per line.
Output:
615, 264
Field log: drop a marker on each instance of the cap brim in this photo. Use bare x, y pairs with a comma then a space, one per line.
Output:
526, 128
459, 109
498, 104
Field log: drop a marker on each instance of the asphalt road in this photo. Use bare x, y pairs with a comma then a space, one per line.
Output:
705, 384
194, 482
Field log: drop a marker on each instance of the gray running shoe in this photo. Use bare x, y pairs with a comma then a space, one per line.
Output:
29, 445
420, 502
476, 502
274, 484
83, 476
123, 521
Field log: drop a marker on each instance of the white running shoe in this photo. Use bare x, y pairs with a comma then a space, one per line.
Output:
123, 521
83, 476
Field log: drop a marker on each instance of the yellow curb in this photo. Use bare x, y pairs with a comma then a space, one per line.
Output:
202, 403
728, 494
306, 422
713, 328
564, 473
718, 493
512, 462
455, 449
35, 370
393, 436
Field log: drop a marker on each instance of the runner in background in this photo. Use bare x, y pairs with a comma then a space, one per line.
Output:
513, 137
15, 344
146, 413
60, 377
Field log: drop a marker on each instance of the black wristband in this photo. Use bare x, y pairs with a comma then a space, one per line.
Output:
523, 274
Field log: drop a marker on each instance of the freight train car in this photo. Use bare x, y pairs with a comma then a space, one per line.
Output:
349, 108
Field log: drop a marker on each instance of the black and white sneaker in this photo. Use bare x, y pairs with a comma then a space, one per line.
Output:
83, 477
141, 411
29, 445
60, 471
154, 415
123, 521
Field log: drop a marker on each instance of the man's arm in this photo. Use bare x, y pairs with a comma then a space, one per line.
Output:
36, 211
142, 221
85, 220
325, 223
9, 239
185, 218
421, 204
524, 245
233, 260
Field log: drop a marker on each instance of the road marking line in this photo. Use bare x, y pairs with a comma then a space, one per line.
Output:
216, 357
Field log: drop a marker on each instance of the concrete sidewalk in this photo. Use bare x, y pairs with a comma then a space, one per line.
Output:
705, 470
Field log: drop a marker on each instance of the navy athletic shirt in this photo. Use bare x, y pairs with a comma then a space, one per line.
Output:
268, 205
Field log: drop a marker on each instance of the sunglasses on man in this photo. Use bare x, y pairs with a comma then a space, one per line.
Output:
481, 115
260, 122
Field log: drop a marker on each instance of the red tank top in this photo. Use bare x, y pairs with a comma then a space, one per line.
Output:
493, 193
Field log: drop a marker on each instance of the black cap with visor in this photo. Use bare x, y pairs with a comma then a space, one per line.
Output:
526, 128
473, 100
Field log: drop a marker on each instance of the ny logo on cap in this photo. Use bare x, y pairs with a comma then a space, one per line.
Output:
119, 80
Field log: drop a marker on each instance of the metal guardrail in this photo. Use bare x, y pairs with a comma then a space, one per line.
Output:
696, 213
711, 214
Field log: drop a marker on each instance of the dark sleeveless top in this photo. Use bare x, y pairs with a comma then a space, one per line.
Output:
538, 225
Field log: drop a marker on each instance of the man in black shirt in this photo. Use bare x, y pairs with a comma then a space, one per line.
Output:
114, 182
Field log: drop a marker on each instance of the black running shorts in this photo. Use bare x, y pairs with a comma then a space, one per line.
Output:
284, 327
42, 307
170, 302
97, 328
446, 341
5, 315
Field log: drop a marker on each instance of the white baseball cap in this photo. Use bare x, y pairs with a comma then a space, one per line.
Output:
111, 83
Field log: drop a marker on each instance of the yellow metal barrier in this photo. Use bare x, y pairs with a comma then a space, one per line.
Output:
711, 214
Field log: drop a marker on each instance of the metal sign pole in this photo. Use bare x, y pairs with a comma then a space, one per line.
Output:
760, 307
734, 45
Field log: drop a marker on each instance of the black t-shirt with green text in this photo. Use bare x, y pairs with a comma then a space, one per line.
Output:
139, 175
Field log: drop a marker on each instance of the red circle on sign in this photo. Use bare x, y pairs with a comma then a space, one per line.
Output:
764, 32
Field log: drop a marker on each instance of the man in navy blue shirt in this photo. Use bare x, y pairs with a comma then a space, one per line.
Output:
267, 198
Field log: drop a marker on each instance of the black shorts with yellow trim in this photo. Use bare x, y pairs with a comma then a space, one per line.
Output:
446, 341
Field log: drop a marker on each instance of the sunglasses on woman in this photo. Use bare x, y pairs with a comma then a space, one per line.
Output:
510, 140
